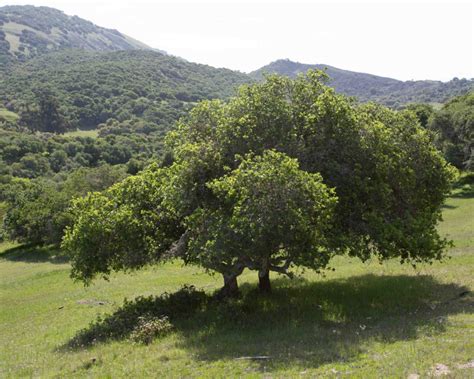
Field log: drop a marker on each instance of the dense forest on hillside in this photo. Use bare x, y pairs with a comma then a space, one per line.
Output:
130, 99
366, 87
91, 88
94, 87
27, 32
453, 126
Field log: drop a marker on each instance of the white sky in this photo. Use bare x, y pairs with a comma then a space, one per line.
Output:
417, 39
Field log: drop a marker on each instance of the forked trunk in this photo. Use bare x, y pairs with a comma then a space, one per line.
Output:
230, 288
264, 285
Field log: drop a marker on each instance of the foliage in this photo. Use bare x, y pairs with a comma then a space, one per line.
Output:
143, 318
454, 127
38, 210
228, 202
423, 112
31, 155
149, 328
93, 87
44, 116
8, 120
271, 216
63, 167
123, 228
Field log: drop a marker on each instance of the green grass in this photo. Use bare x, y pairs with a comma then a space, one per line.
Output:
6, 115
93, 133
365, 320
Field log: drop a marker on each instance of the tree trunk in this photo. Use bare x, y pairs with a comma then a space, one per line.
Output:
264, 285
230, 289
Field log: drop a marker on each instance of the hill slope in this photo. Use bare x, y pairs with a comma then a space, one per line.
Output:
365, 320
92, 87
367, 87
100, 73
27, 31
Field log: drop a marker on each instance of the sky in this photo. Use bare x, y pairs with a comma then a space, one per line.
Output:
407, 39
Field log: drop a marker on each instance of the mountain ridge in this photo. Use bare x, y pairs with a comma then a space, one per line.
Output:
35, 34
27, 31
370, 87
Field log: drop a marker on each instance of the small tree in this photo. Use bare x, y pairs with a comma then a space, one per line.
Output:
38, 209
423, 112
286, 174
45, 115
454, 128
270, 215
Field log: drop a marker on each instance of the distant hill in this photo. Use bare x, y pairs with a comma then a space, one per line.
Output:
28, 31
92, 87
367, 87
99, 73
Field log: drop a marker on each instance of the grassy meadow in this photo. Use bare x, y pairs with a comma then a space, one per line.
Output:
364, 320
6, 115
93, 133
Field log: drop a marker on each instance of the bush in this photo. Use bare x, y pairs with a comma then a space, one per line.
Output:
37, 210
143, 318
149, 328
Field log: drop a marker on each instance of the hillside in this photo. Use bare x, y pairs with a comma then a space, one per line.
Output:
97, 73
366, 320
92, 87
27, 31
367, 87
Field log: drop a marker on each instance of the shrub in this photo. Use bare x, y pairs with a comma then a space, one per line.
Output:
150, 327
143, 318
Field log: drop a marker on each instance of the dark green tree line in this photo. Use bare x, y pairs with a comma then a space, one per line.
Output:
454, 128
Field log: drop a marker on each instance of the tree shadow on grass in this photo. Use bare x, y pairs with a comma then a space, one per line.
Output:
464, 188
466, 192
34, 254
301, 323
448, 206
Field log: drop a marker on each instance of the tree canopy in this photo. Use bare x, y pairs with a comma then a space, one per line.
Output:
286, 174
38, 210
454, 127
93, 87
46, 115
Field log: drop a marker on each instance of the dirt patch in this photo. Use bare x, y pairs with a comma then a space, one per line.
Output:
469, 364
441, 370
